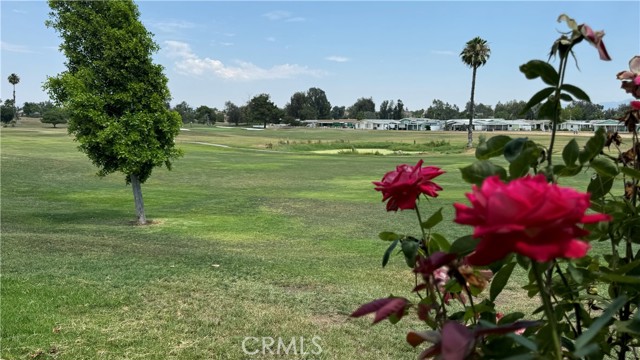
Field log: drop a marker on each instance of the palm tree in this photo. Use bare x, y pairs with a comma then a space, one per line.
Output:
475, 54
13, 80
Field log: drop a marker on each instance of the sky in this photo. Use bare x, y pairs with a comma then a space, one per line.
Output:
215, 51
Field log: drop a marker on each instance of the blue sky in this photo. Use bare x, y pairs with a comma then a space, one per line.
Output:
217, 51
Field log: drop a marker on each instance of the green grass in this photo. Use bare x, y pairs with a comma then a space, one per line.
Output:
245, 242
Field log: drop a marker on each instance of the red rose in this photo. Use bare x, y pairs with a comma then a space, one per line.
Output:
403, 186
527, 216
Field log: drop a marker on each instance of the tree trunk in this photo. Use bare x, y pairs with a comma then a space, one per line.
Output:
15, 108
137, 198
471, 109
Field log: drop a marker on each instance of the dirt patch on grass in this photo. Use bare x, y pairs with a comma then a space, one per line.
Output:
149, 222
324, 321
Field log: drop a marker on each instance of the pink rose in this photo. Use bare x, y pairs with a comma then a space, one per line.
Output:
403, 186
527, 216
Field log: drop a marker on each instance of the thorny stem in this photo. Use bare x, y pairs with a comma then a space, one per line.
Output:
473, 307
556, 106
576, 307
424, 234
548, 309
625, 312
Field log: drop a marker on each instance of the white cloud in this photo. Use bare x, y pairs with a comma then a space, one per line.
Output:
277, 15
280, 15
226, 43
271, 39
188, 63
172, 26
5, 46
443, 52
17, 11
337, 58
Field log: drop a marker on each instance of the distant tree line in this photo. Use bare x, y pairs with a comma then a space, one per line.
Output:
313, 105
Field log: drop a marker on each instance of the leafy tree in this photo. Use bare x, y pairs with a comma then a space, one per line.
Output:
442, 111
480, 109
475, 54
186, 112
317, 99
261, 109
205, 115
114, 94
362, 107
31, 109
7, 112
299, 107
14, 79
233, 113
398, 110
617, 112
512, 110
310, 105
582, 110
386, 109
54, 117
338, 112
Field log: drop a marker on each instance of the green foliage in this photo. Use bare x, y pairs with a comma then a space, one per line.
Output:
442, 111
311, 105
235, 115
54, 116
570, 286
7, 111
261, 110
186, 112
115, 96
361, 107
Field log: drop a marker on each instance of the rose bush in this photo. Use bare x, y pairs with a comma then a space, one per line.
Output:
528, 216
522, 217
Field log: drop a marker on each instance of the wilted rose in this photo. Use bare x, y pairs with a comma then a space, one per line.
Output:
631, 78
527, 216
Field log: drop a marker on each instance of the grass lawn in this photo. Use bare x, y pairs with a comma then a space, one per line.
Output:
249, 240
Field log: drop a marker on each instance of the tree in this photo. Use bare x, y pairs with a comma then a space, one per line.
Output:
299, 107
386, 109
475, 54
14, 80
186, 112
205, 115
398, 110
7, 112
260, 109
442, 111
512, 110
361, 107
617, 112
317, 99
31, 109
338, 112
582, 110
480, 109
114, 94
54, 117
233, 112
310, 105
